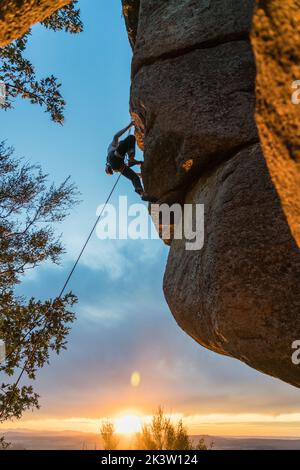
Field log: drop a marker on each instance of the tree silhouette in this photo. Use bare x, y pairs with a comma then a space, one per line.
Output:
109, 439
31, 329
29, 207
3, 444
159, 434
162, 434
19, 74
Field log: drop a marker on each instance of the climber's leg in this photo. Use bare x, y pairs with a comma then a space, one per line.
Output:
133, 177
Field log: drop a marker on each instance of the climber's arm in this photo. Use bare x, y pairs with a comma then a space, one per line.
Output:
120, 133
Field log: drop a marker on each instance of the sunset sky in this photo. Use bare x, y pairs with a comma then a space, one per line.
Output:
123, 323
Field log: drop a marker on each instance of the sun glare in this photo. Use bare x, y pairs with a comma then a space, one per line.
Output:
128, 424
135, 379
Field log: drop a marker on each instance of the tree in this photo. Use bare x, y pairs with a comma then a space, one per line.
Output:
31, 329
19, 74
161, 434
29, 207
109, 439
3, 444
17, 16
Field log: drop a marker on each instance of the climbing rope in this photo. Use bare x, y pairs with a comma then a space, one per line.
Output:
65, 284
88, 239
77, 260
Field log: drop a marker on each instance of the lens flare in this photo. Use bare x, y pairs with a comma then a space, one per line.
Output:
135, 379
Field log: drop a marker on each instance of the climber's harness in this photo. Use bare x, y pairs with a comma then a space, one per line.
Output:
109, 167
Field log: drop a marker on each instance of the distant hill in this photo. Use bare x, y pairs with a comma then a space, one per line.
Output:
69, 440
252, 443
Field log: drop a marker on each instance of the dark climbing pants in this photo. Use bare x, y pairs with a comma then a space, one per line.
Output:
133, 177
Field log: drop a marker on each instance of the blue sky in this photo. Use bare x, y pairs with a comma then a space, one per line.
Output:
123, 322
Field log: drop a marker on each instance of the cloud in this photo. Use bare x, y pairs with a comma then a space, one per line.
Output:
124, 325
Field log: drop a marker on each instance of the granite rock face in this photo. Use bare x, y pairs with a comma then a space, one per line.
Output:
211, 93
276, 37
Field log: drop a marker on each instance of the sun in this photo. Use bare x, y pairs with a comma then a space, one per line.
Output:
128, 424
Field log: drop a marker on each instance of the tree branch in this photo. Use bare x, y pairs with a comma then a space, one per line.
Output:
22, 90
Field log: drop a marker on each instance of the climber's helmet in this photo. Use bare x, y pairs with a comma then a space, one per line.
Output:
108, 169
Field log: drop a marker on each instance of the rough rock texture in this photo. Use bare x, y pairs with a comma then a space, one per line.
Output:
276, 39
194, 118
17, 16
240, 294
198, 103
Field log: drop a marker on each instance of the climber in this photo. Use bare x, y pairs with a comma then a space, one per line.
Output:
116, 153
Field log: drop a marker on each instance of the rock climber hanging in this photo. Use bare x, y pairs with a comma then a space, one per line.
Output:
115, 161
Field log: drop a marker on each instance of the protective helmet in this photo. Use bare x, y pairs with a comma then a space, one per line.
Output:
108, 169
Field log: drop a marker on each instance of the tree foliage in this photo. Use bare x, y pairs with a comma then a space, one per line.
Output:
19, 74
159, 434
66, 19
3, 444
31, 328
162, 434
109, 439
29, 207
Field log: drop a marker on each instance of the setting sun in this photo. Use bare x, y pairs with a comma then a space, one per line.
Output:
128, 424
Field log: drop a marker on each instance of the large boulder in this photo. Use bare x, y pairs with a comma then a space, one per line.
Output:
211, 94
